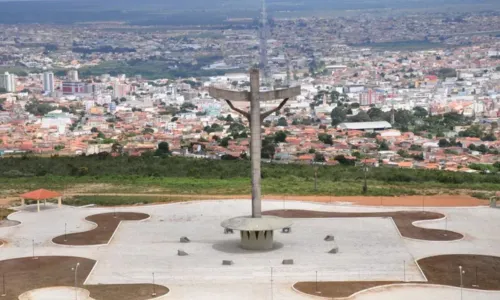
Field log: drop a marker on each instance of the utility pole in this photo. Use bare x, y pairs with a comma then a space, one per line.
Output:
315, 179
365, 184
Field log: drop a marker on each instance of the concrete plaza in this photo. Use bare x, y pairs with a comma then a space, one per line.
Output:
369, 249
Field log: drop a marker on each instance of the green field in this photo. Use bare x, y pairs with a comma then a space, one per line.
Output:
184, 176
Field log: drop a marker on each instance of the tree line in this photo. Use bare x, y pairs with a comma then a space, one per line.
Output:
163, 165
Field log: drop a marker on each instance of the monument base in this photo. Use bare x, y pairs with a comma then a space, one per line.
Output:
256, 233
257, 240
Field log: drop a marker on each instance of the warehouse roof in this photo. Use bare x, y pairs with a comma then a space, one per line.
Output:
365, 125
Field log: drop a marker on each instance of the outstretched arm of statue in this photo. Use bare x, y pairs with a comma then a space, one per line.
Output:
267, 114
244, 113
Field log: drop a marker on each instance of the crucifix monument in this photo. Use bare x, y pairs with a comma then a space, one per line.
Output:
256, 231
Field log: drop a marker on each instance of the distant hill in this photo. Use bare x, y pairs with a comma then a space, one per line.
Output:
195, 12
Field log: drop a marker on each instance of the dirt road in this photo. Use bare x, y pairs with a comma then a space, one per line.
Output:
415, 201
410, 201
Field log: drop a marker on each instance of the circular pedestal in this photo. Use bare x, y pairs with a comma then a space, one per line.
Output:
256, 233
56, 293
257, 240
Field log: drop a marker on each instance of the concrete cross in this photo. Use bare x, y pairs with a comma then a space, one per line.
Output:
255, 117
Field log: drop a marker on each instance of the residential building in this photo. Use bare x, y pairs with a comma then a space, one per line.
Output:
73, 75
48, 82
8, 82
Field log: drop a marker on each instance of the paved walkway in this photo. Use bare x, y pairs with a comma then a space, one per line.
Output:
370, 249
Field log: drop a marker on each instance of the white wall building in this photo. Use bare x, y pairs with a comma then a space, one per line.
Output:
48, 82
73, 75
8, 82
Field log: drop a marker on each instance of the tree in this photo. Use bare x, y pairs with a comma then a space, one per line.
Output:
414, 147
94, 130
148, 130
490, 137
224, 142
376, 114
101, 135
446, 72
229, 118
383, 146
420, 112
472, 147
344, 161
403, 117
268, 148
187, 106
419, 157
319, 157
362, 116
482, 148
123, 99
311, 151
444, 143
403, 153
338, 115
116, 148
325, 138
280, 137
282, 122
335, 96
38, 109
163, 149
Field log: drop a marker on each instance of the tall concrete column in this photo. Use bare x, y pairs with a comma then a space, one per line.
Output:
256, 142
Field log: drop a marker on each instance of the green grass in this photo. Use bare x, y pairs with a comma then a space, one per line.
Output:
4, 213
290, 185
482, 195
122, 200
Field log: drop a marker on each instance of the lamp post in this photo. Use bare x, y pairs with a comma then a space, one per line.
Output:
461, 281
365, 184
154, 289
76, 283
4, 292
33, 247
65, 232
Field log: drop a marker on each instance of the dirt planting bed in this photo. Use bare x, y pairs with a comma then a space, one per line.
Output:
106, 226
25, 274
481, 272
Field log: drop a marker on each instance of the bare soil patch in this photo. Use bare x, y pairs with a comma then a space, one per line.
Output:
25, 274
440, 270
403, 219
106, 226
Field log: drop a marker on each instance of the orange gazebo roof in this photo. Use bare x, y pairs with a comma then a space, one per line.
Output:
40, 194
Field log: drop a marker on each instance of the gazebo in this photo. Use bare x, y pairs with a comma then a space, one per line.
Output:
41, 194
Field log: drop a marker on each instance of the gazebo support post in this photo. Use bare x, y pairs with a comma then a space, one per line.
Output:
59, 202
23, 202
38, 205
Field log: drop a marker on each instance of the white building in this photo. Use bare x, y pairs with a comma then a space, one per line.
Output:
73, 75
120, 90
48, 82
8, 82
